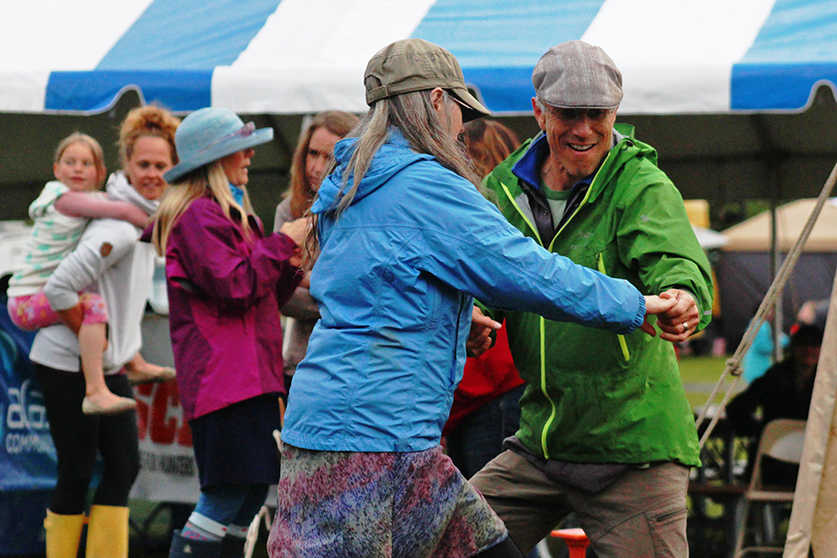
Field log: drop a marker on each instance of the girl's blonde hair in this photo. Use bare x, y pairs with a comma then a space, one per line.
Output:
209, 179
148, 120
95, 150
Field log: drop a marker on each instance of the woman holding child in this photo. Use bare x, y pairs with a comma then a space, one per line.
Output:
109, 258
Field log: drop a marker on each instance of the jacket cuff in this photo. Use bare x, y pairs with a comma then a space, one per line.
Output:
640, 316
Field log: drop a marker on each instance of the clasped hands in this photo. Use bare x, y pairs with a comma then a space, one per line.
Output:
676, 311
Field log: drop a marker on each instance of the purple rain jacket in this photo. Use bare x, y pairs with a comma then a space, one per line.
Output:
224, 293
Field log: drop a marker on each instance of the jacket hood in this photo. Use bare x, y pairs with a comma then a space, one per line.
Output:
626, 147
390, 159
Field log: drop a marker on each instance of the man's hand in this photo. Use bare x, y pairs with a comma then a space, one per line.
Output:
680, 321
479, 340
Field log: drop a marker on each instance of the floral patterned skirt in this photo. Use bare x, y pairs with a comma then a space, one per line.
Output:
404, 505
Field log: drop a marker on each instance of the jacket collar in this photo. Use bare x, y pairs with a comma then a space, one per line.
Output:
527, 168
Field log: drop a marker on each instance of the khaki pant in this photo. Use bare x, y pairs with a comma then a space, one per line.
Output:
643, 514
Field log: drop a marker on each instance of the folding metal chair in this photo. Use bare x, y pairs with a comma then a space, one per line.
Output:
781, 439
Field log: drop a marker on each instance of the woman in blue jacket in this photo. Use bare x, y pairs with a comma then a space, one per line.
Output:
406, 241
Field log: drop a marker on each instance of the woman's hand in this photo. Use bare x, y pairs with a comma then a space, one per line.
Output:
297, 229
656, 305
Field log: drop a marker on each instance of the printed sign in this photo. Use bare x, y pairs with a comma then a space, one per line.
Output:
167, 465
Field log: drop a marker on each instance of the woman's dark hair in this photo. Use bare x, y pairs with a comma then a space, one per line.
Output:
488, 143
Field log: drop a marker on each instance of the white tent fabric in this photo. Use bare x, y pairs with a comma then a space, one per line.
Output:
814, 516
709, 239
302, 56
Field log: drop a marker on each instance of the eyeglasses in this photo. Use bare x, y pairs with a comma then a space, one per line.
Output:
570, 114
458, 102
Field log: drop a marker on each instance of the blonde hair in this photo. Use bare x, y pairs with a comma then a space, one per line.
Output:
209, 179
95, 150
148, 120
338, 123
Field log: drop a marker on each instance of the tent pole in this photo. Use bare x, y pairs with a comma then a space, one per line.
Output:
775, 259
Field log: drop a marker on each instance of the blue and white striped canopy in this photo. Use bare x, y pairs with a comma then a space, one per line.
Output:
302, 56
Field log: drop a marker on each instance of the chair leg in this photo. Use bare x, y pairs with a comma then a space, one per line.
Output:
741, 527
769, 523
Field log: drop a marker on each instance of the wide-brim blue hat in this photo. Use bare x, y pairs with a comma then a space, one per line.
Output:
209, 134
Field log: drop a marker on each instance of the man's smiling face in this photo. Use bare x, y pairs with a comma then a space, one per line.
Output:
578, 138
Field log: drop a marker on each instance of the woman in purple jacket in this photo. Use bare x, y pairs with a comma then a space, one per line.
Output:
226, 281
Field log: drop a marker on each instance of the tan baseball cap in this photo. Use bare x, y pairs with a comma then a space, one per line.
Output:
415, 65
576, 74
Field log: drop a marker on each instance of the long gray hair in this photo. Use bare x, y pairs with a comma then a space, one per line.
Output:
414, 116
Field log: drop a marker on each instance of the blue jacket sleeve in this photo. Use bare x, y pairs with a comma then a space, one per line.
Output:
474, 249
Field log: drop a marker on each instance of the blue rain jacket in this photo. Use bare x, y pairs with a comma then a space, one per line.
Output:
395, 282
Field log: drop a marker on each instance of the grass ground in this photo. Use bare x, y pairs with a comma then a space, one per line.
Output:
699, 375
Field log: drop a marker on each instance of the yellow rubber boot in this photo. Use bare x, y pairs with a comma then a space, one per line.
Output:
63, 533
107, 532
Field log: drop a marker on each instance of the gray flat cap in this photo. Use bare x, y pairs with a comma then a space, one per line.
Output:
576, 74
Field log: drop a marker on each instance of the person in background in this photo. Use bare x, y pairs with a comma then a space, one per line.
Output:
485, 406
109, 258
225, 280
605, 430
60, 214
760, 356
311, 158
406, 241
813, 312
488, 143
784, 391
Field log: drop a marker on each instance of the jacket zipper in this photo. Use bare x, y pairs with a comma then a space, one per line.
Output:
456, 339
626, 354
520, 212
541, 319
541, 333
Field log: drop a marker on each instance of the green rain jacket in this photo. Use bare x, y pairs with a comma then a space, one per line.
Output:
593, 396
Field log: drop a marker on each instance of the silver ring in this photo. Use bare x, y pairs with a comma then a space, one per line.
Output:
685, 326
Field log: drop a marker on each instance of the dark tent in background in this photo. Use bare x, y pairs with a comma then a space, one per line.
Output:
744, 266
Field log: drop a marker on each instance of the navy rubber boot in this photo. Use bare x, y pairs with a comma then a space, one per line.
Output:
191, 548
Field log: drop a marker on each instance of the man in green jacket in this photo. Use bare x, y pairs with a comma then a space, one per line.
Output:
606, 430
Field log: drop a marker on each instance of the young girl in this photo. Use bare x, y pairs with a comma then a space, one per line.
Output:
60, 214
